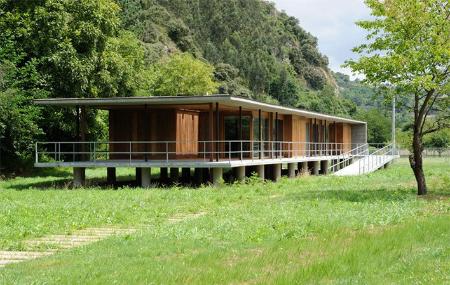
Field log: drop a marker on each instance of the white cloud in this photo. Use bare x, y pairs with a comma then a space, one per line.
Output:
333, 23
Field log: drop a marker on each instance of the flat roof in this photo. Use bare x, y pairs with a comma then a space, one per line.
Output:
232, 101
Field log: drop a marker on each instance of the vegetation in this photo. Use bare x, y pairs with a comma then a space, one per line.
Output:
313, 229
182, 74
110, 48
409, 51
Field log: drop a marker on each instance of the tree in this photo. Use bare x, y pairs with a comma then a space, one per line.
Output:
379, 126
408, 50
439, 140
182, 74
59, 48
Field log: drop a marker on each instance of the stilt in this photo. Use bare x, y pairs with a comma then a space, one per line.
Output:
206, 175
79, 177
240, 173
111, 175
146, 177
304, 168
198, 176
174, 174
276, 172
217, 176
164, 174
260, 171
291, 170
316, 167
186, 175
138, 175
324, 167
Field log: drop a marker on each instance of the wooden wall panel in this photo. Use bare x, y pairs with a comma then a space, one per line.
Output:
187, 133
347, 137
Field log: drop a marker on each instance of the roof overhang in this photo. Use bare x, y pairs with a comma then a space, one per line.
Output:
227, 100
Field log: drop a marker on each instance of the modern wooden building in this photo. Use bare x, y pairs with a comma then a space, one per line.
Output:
209, 134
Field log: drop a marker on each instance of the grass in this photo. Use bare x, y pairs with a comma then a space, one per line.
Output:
341, 230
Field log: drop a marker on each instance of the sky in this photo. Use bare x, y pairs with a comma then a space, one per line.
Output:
333, 23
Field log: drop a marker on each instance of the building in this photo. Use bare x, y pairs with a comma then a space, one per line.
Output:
207, 134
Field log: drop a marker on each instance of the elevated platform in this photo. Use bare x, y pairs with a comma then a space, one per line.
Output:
193, 163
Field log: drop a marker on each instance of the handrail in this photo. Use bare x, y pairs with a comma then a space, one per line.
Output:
348, 156
203, 150
376, 159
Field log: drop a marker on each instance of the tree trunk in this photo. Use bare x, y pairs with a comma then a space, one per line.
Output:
416, 162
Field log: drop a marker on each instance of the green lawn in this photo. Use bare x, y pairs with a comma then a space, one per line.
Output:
347, 230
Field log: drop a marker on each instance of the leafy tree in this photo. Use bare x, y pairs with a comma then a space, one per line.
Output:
409, 50
378, 125
182, 74
230, 81
439, 140
60, 48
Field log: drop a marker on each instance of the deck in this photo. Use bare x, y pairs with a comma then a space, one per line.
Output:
215, 154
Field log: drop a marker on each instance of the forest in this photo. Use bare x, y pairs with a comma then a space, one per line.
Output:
113, 48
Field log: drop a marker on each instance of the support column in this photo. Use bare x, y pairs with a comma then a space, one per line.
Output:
276, 174
303, 168
79, 177
324, 167
186, 175
146, 177
217, 176
198, 176
260, 171
174, 174
291, 170
138, 175
240, 173
164, 174
316, 167
206, 173
111, 175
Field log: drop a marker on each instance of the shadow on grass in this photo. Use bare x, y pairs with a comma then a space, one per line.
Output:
354, 196
67, 183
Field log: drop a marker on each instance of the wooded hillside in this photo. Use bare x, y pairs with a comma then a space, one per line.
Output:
66, 48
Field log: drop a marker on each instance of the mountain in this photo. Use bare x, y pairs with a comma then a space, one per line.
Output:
257, 50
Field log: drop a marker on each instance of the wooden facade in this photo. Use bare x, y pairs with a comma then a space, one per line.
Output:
186, 131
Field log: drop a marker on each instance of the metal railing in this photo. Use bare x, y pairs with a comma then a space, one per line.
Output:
176, 150
376, 158
347, 158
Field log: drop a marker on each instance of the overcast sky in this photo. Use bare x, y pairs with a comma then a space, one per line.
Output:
332, 22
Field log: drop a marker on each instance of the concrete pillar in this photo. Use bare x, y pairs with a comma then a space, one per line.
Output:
206, 175
164, 174
146, 179
316, 167
217, 176
291, 170
198, 176
138, 175
324, 167
79, 177
240, 173
111, 177
304, 167
174, 174
260, 171
338, 165
186, 175
276, 174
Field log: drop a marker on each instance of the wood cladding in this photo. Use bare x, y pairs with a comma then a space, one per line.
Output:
187, 128
187, 133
